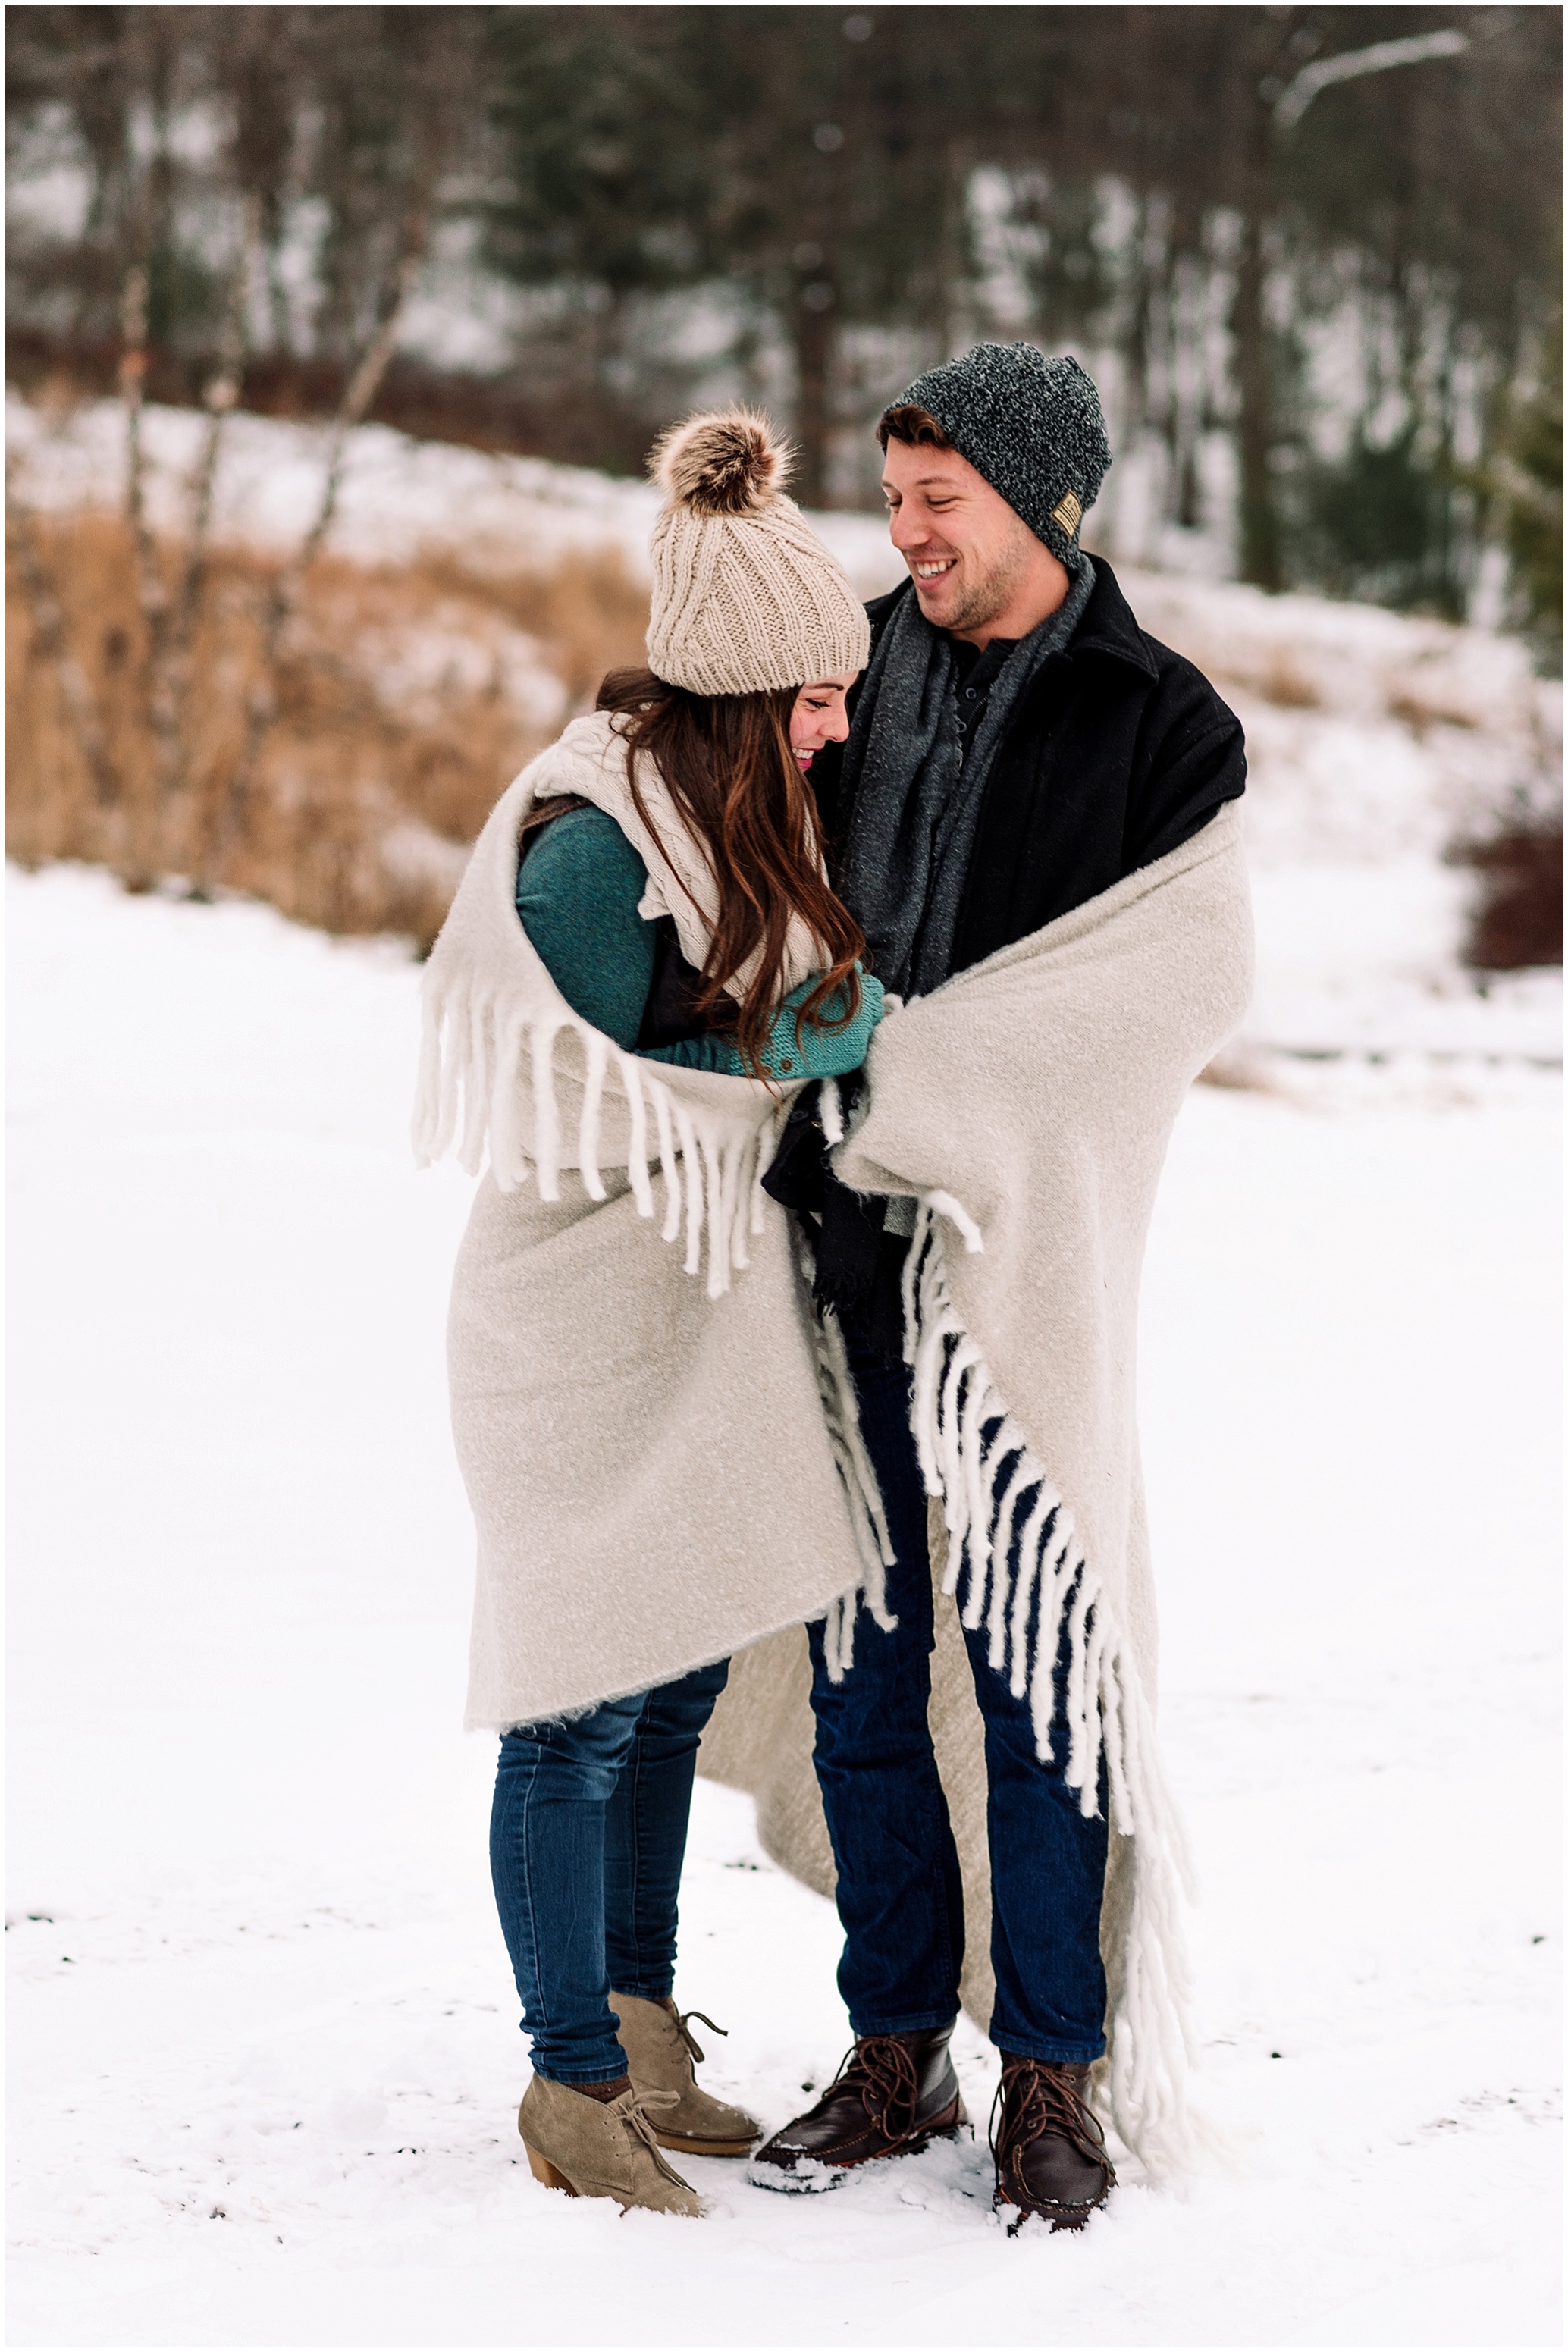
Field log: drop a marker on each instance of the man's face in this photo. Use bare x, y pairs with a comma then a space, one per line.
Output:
969, 554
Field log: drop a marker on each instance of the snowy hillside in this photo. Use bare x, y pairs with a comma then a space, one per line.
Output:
265, 2063
1375, 741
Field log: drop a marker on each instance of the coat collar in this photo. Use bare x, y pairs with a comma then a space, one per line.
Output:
1107, 626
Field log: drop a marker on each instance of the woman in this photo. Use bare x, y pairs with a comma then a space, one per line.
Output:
656, 1468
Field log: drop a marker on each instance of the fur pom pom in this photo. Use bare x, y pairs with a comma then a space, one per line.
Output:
729, 462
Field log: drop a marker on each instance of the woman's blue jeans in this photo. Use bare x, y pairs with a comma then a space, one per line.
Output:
587, 1837
900, 1898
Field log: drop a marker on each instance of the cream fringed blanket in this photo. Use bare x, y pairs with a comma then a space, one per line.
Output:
665, 1469
1029, 1104
662, 1467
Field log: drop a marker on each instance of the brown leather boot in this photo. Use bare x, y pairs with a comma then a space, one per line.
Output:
894, 2094
1050, 2151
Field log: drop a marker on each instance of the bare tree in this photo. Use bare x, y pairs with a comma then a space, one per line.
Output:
283, 600
169, 701
283, 78
48, 623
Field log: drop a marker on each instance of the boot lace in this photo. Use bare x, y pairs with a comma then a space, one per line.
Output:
1035, 2100
681, 2020
635, 2116
882, 2071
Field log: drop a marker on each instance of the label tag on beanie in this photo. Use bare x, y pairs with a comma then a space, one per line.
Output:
1068, 512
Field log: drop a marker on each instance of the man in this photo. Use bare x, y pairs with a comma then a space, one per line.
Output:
1019, 746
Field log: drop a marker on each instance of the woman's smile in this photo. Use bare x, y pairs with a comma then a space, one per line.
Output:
819, 716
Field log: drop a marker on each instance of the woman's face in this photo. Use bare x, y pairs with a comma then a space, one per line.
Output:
819, 716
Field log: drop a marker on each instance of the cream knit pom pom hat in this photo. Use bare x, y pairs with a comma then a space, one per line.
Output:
745, 598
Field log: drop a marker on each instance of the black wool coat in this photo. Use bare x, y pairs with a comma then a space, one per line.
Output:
1119, 752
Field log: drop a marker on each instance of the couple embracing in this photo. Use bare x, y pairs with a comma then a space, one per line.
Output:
823, 1002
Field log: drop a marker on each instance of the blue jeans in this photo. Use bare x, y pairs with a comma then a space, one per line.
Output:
587, 1837
900, 1898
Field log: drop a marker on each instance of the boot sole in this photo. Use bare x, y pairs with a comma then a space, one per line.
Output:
794, 2180
552, 2176
706, 2146
1063, 2219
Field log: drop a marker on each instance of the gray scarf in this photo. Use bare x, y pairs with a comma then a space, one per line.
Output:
915, 787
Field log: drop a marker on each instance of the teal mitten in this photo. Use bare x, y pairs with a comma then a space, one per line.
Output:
818, 1053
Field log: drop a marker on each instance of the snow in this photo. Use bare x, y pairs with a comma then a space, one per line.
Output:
399, 495
264, 2051
1375, 740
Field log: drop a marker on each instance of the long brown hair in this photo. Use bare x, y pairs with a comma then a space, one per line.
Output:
727, 764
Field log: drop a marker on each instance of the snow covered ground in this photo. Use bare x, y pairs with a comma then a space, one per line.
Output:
264, 2053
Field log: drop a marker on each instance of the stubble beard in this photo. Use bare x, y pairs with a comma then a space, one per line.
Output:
985, 598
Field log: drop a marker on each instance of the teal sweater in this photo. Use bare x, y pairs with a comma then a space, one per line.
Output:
577, 894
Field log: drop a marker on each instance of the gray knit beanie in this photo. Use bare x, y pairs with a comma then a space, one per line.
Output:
746, 599
1031, 426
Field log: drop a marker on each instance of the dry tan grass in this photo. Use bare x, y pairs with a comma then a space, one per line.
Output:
407, 698
1283, 684
1421, 712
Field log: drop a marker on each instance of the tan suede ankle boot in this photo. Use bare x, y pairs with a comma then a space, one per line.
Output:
591, 2148
660, 2052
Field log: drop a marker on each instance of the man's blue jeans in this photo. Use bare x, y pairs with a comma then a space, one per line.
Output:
587, 1837
899, 1894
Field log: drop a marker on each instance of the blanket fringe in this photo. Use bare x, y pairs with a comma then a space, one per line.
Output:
476, 1050
996, 1494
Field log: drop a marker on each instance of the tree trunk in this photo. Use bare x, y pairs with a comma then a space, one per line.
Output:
48, 625
813, 340
289, 584
1260, 550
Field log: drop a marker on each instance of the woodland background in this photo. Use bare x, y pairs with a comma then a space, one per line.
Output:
1325, 315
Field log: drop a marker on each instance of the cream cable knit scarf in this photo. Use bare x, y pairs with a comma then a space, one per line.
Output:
590, 761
